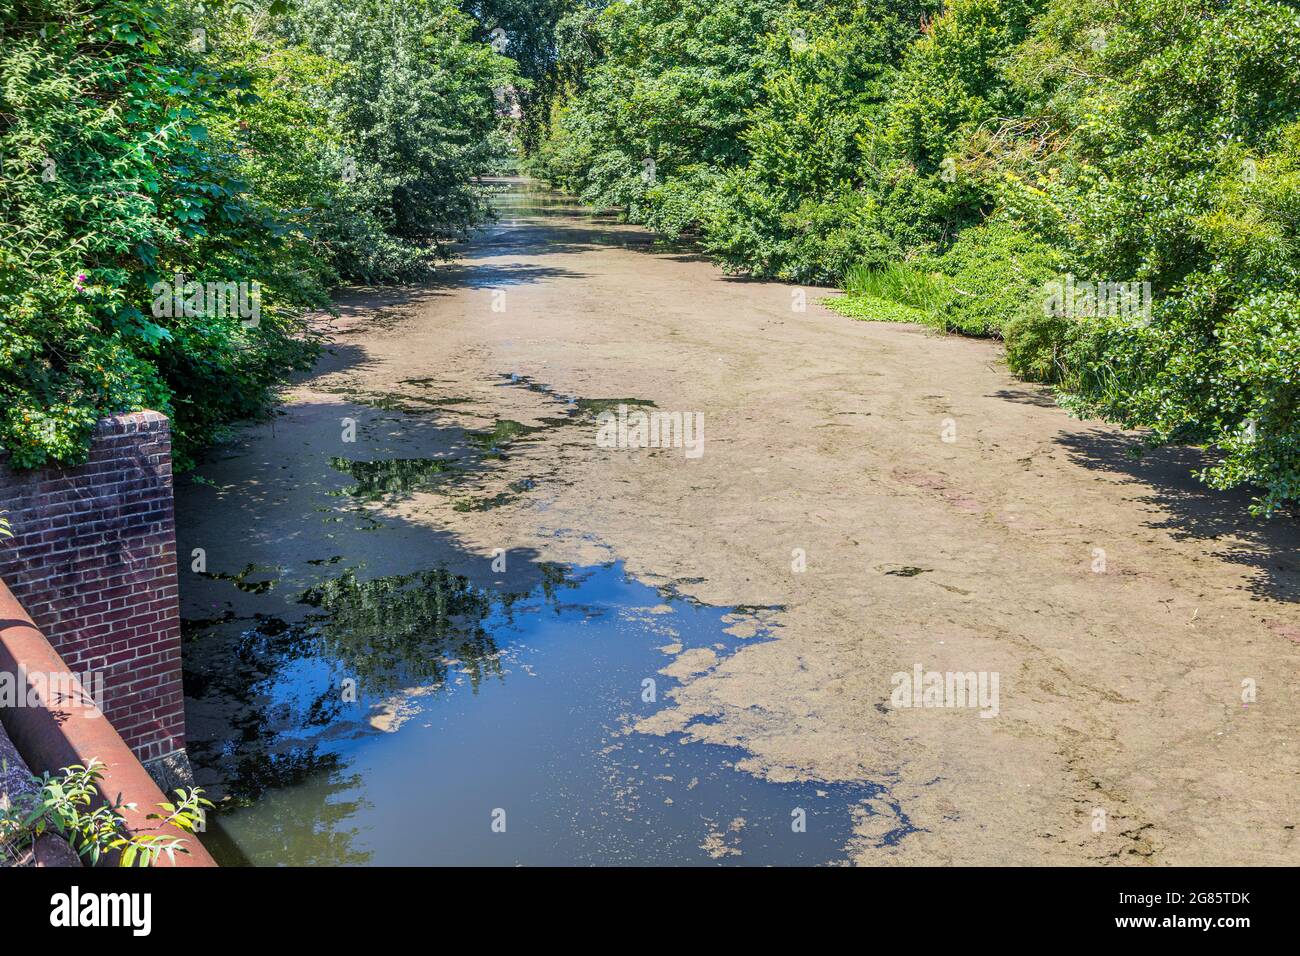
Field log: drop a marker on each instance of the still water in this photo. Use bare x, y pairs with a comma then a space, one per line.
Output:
476, 708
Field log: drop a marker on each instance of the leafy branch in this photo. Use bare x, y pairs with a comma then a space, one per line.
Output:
62, 804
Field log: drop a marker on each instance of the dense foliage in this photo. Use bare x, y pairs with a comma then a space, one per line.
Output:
180, 182
1109, 186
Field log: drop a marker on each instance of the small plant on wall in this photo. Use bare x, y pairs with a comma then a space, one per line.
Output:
62, 803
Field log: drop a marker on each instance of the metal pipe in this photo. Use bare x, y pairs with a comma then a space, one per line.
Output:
71, 730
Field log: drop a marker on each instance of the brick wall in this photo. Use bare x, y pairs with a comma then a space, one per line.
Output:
93, 561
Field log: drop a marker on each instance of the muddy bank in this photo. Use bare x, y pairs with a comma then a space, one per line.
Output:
896, 495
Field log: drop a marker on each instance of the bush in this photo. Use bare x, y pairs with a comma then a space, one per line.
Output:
1037, 345
805, 205
996, 273
992, 277
97, 205
414, 109
1186, 174
277, 153
671, 85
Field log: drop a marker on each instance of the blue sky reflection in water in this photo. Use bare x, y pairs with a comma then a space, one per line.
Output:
522, 703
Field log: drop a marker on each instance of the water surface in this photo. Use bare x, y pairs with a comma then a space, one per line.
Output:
474, 706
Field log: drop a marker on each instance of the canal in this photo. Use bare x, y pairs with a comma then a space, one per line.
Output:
368, 682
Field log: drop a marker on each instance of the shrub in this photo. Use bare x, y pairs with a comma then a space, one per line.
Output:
283, 152
996, 273
97, 204
1037, 345
61, 804
415, 108
1185, 172
992, 276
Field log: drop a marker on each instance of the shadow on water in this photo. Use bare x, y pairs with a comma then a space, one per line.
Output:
482, 276
1040, 397
1190, 511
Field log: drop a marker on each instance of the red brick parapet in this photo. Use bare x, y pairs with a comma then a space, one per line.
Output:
93, 561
